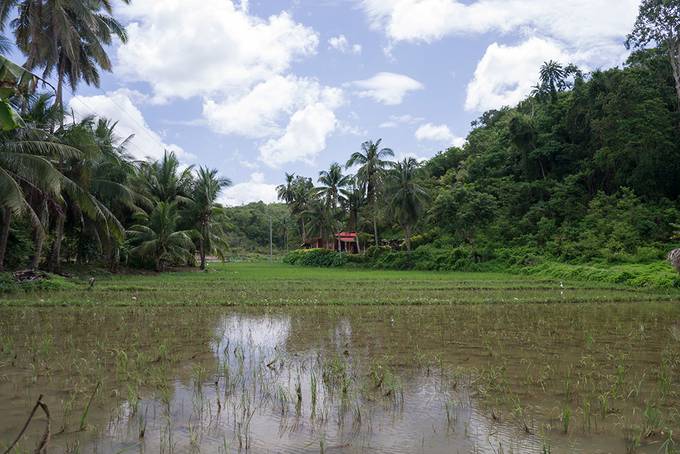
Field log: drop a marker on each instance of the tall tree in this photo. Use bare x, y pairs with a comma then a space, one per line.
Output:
552, 76
332, 181
64, 37
352, 197
157, 236
286, 192
87, 180
207, 187
407, 197
303, 195
658, 23
26, 167
373, 163
165, 180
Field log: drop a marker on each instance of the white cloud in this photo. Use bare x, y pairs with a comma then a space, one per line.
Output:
438, 133
304, 138
505, 75
185, 48
239, 65
578, 22
342, 44
586, 32
118, 106
257, 113
387, 88
396, 120
254, 190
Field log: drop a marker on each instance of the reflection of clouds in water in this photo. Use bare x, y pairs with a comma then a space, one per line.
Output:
343, 333
421, 424
262, 332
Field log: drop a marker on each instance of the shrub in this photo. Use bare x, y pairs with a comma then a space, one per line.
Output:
315, 257
7, 283
46, 281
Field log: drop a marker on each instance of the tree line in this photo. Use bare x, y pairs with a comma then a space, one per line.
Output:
379, 188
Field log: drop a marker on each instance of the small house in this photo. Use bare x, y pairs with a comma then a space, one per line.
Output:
343, 242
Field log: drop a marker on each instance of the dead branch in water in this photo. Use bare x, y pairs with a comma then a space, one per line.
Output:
42, 446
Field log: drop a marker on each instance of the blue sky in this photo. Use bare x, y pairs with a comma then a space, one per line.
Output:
259, 88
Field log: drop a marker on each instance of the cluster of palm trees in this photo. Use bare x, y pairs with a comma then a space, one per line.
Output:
78, 184
71, 182
381, 189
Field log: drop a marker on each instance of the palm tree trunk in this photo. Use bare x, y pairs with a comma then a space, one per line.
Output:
304, 232
40, 233
39, 242
55, 258
59, 101
201, 249
407, 234
375, 228
114, 258
4, 235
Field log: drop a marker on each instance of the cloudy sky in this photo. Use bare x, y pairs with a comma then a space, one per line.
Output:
256, 88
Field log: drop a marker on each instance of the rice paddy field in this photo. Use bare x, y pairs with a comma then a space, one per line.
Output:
273, 358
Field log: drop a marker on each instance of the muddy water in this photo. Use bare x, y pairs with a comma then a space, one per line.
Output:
506, 378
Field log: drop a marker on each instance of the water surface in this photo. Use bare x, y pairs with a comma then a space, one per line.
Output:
487, 378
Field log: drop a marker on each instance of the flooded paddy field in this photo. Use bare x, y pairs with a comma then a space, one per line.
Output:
487, 378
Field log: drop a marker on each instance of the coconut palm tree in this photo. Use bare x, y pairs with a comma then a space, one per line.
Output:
373, 163
285, 191
407, 197
303, 195
26, 167
29, 180
352, 198
205, 210
552, 78
164, 180
66, 37
92, 185
157, 236
321, 221
332, 181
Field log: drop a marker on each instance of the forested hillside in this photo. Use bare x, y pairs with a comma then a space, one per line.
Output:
588, 171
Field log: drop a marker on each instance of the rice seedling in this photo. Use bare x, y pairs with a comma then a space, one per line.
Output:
565, 418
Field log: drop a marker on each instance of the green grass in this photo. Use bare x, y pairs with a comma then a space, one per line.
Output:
279, 284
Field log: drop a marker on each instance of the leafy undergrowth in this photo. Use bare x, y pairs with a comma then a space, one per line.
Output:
653, 275
39, 281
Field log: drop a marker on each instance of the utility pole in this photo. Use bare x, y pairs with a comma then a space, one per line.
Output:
271, 243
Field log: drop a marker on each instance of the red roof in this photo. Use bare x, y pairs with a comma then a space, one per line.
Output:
346, 235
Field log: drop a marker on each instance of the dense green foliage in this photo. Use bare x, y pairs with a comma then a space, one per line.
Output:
248, 228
